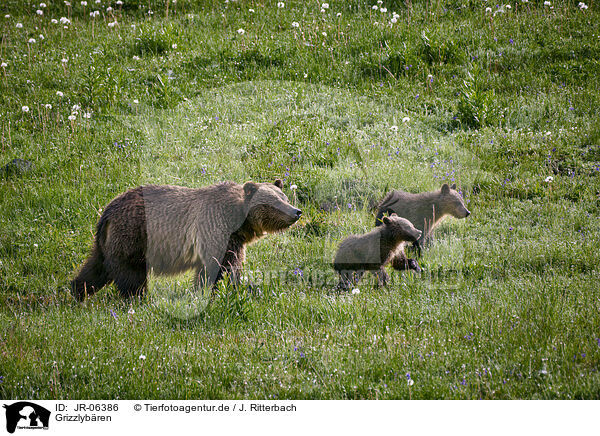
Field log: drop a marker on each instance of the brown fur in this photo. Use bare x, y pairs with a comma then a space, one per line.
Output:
425, 210
373, 250
171, 229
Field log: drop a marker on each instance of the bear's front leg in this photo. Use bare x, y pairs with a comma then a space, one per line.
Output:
401, 263
382, 277
206, 276
233, 262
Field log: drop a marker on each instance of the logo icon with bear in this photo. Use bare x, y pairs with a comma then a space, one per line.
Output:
26, 415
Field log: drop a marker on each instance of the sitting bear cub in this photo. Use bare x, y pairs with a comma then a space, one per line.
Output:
373, 250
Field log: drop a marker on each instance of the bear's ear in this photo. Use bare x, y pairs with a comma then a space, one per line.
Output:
386, 220
393, 214
453, 186
250, 189
445, 188
278, 183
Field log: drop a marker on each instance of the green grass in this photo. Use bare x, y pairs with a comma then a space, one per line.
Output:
345, 108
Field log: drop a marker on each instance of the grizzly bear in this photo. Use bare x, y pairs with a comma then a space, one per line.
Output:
373, 250
171, 229
425, 211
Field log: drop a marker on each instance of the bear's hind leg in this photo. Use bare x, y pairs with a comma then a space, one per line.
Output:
130, 280
92, 277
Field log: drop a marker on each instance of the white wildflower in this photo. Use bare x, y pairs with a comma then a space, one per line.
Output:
59, 93
281, 5
355, 291
39, 12
25, 109
325, 6
295, 24
241, 31
19, 26
548, 179
405, 119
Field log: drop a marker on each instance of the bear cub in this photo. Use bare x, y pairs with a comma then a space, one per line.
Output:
373, 250
425, 210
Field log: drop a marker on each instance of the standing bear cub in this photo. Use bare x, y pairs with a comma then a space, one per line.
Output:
425, 211
171, 229
373, 251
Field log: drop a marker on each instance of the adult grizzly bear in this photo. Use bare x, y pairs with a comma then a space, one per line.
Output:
171, 229
425, 211
373, 250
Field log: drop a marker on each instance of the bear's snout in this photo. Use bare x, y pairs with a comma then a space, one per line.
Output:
467, 213
418, 234
297, 213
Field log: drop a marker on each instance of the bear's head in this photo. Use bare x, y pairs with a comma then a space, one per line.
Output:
400, 229
452, 202
269, 210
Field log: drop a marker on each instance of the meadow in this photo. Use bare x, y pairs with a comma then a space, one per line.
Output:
343, 101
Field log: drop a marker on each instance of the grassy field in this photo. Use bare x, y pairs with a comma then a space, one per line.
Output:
345, 100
